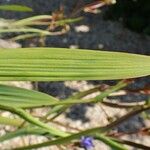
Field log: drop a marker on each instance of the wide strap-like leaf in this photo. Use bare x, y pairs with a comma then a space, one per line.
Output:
58, 64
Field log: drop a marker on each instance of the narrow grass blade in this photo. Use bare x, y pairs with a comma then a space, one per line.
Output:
25, 36
77, 98
25, 29
20, 8
30, 20
43, 20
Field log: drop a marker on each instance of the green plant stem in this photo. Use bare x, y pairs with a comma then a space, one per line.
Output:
76, 99
29, 130
11, 122
26, 29
30, 20
100, 97
113, 144
80, 95
91, 132
20, 112
25, 36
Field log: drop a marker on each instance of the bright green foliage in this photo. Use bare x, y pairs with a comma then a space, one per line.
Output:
58, 64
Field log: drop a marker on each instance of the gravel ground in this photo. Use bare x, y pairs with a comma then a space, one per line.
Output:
92, 33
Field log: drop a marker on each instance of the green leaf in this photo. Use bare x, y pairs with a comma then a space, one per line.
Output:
19, 8
58, 64
22, 98
18, 97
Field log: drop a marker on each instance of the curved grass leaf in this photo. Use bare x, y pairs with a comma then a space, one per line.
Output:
22, 98
18, 97
31, 20
58, 64
43, 20
19, 8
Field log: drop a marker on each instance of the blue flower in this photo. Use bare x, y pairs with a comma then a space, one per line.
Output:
87, 142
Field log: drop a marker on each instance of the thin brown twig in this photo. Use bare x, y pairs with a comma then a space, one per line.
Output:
106, 114
66, 126
126, 117
143, 131
133, 144
123, 104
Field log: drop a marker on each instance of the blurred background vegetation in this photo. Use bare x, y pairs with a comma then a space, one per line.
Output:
135, 14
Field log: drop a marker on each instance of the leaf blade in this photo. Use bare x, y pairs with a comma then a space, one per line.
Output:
57, 64
23, 98
20, 8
